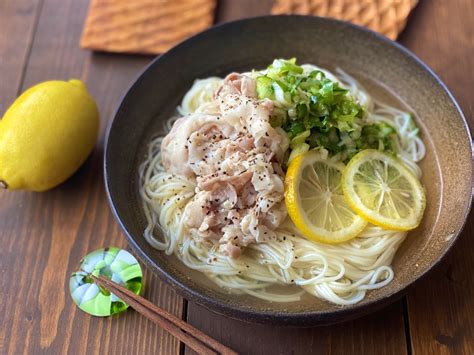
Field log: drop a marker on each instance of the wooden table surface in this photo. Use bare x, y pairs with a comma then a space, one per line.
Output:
44, 235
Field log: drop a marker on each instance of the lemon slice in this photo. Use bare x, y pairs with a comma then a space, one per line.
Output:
383, 191
315, 200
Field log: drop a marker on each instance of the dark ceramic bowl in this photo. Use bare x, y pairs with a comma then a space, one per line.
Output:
389, 71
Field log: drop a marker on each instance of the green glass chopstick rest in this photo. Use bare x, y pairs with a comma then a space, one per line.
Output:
113, 263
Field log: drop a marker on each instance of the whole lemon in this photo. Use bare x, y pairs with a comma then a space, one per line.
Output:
46, 135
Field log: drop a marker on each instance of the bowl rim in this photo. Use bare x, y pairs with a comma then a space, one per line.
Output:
306, 318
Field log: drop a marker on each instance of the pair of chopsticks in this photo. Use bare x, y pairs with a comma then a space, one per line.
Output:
194, 338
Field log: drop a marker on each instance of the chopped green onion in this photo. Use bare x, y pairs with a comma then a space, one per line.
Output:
317, 112
264, 87
299, 139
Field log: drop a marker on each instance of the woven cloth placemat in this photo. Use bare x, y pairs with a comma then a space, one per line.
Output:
387, 17
144, 26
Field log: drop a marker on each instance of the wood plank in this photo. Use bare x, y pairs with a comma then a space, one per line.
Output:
44, 235
441, 306
229, 10
17, 24
18, 21
380, 333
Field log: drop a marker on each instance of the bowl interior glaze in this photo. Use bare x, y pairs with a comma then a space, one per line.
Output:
389, 71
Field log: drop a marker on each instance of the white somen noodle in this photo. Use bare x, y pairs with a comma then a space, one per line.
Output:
341, 273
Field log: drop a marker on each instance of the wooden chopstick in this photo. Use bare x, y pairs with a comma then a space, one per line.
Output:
185, 332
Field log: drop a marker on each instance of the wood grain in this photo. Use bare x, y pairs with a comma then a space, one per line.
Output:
380, 333
45, 235
18, 19
229, 10
441, 306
